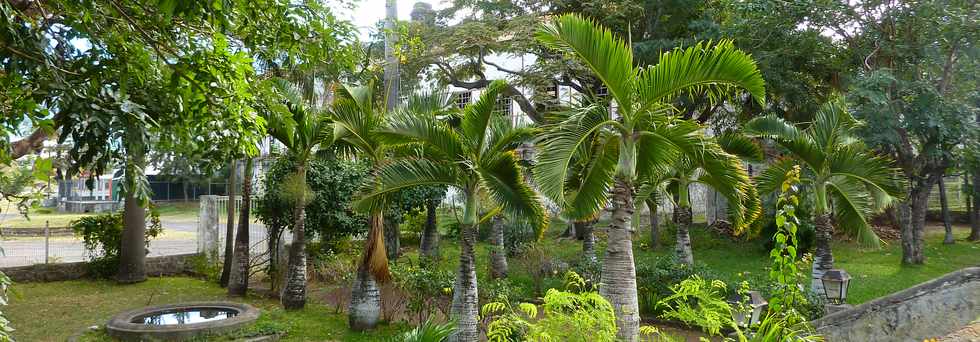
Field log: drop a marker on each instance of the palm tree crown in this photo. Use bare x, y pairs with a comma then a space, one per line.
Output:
838, 166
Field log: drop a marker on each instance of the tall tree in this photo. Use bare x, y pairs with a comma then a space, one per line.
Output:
849, 183
240, 265
304, 130
914, 84
476, 156
635, 142
948, 239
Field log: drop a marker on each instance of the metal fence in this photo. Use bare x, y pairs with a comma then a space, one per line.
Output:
212, 228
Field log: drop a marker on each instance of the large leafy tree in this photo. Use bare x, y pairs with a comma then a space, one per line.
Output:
475, 157
118, 78
637, 140
849, 183
304, 130
719, 167
914, 82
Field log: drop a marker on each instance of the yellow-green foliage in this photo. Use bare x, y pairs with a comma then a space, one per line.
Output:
567, 315
697, 302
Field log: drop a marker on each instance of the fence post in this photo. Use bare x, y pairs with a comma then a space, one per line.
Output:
47, 236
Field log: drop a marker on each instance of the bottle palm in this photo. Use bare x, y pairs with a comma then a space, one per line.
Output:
475, 156
636, 139
718, 166
304, 130
840, 170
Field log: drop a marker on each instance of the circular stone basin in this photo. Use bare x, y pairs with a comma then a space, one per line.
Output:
178, 322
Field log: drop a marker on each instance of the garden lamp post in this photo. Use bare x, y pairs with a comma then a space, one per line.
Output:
754, 302
835, 283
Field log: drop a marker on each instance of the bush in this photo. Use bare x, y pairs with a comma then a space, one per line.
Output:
428, 288
102, 237
701, 303
329, 215
655, 280
568, 316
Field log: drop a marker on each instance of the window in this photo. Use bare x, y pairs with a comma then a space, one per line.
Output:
503, 105
552, 90
601, 91
463, 98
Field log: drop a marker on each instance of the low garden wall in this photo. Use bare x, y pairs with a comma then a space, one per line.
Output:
929, 310
35, 232
155, 266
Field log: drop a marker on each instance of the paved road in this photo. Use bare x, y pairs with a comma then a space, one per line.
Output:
179, 237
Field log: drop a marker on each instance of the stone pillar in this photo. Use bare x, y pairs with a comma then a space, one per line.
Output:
207, 226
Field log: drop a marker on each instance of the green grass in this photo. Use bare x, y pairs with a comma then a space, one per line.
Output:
55, 311
875, 272
172, 211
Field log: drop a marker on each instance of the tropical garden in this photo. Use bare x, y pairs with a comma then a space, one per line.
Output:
503, 170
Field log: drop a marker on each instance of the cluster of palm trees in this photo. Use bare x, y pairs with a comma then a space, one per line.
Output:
592, 158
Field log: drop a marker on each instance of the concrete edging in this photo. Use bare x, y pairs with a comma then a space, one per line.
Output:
121, 326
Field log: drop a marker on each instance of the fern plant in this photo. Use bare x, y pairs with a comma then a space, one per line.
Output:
427, 332
700, 303
567, 314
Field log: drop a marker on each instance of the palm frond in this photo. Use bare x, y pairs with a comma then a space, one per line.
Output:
771, 179
741, 146
591, 194
401, 174
609, 57
799, 143
873, 171
833, 124
852, 206
501, 177
701, 65
477, 115
423, 130
772, 127
559, 145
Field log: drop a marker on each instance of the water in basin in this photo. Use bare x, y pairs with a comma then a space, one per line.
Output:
185, 316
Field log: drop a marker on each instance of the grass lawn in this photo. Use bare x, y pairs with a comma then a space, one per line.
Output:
171, 211
55, 311
875, 272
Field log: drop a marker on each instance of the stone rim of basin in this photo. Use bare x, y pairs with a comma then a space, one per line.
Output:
121, 325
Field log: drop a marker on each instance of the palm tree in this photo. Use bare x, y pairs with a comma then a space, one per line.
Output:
718, 166
637, 140
475, 157
304, 130
357, 123
847, 180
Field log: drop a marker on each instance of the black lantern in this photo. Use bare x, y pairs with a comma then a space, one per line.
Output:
835, 282
748, 309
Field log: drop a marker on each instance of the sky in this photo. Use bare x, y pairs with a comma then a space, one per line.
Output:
368, 12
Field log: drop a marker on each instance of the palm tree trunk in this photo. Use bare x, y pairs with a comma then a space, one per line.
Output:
430, 236
975, 209
391, 75
294, 292
238, 279
230, 228
947, 221
365, 300
498, 252
392, 238
654, 226
588, 239
618, 270
682, 250
132, 254
465, 307
823, 257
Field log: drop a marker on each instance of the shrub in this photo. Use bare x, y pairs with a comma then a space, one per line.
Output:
427, 332
102, 237
568, 315
701, 303
655, 279
428, 288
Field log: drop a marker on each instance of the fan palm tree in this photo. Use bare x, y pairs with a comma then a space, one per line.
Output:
840, 170
475, 157
638, 139
304, 130
718, 166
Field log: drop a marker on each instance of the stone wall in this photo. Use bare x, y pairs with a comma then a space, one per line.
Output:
928, 310
155, 266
